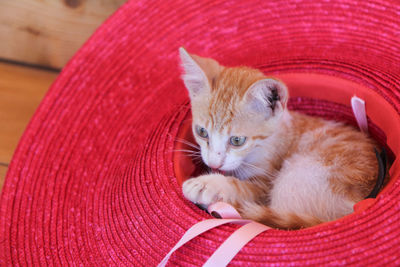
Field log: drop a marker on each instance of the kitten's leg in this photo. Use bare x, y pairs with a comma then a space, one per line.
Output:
245, 197
208, 189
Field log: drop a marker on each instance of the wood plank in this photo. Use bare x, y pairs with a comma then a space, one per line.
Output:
48, 32
3, 171
21, 90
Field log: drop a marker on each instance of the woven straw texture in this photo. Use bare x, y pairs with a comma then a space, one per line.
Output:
92, 181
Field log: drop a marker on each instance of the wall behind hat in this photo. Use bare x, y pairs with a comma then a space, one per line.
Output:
48, 32
42, 35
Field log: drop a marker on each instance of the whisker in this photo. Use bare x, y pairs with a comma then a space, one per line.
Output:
180, 150
195, 155
234, 173
240, 173
257, 169
187, 150
183, 141
198, 160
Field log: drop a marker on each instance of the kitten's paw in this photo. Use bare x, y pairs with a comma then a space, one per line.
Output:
207, 189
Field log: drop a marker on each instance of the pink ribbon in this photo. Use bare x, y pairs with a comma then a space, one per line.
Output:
358, 106
232, 245
224, 210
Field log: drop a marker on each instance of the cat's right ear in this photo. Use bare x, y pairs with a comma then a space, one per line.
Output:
198, 73
268, 96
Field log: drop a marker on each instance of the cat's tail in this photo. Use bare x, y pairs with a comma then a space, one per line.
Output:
268, 216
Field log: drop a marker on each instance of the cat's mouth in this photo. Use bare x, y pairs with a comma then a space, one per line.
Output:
229, 173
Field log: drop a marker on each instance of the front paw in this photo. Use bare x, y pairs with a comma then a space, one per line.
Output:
207, 189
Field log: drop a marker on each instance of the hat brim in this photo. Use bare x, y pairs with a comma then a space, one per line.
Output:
93, 179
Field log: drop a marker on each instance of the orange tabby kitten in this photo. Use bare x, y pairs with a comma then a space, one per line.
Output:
281, 168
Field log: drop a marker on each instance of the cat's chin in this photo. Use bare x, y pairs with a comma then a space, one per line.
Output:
240, 172
224, 169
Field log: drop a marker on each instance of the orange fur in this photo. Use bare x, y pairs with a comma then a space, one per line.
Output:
295, 171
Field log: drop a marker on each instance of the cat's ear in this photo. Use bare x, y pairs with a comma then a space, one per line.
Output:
199, 72
268, 96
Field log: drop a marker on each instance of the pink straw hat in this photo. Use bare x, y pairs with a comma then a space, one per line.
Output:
94, 180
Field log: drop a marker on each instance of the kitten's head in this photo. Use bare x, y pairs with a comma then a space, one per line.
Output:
235, 110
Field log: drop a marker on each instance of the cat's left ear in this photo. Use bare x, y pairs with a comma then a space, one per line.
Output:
199, 72
268, 96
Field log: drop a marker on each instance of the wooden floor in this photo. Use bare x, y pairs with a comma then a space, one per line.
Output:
21, 90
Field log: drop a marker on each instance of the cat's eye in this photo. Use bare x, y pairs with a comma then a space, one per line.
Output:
202, 132
237, 140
